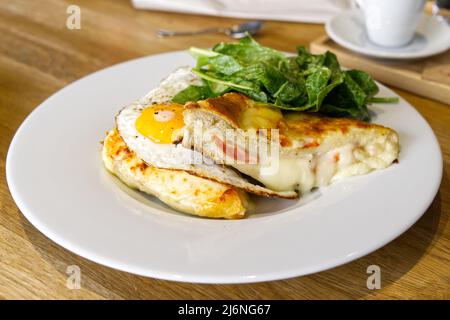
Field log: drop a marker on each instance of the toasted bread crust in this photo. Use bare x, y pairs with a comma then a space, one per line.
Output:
177, 188
229, 107
308, 128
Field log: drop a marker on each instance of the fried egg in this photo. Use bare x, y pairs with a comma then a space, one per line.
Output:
161, 122
151, 124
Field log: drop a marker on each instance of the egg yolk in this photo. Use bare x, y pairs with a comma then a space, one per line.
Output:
160, 122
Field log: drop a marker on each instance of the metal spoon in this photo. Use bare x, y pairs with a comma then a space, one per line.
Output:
236, 31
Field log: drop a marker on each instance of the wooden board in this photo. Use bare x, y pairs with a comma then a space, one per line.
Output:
428, 77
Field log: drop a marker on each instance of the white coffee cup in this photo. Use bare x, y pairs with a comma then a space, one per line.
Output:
391, 23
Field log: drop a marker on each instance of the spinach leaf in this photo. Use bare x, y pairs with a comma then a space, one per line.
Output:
336, 111
223, 64
316, 83
192, 93
211, 77
256, 95
306, 82
356, 93
330, 61
290, 92
272, 79
364, 81
308, 61
217, 89
247, 51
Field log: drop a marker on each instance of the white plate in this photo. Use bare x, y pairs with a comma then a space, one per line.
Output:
56, 177
432, 37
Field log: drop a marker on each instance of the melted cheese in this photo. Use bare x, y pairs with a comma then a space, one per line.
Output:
259, 117
291, 174
320, 169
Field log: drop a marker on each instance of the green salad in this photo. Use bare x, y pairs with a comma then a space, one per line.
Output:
305, 82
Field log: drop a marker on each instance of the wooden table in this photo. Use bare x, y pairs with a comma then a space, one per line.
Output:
39, 55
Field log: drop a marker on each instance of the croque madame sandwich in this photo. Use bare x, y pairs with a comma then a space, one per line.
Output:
313, 150
140, 153
156, 146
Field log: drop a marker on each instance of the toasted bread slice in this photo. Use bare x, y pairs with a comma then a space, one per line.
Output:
312, 150
178, 189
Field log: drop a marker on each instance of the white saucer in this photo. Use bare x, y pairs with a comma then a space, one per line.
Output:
432, 37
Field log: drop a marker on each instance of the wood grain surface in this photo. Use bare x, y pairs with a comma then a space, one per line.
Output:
39, 55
